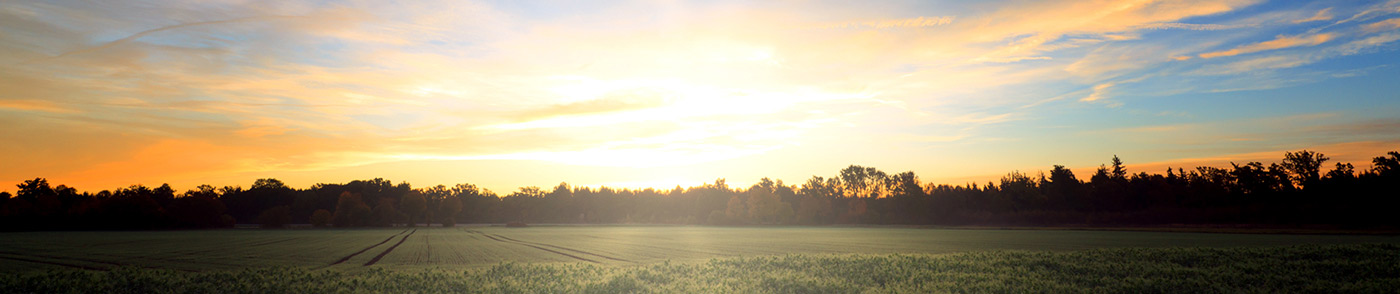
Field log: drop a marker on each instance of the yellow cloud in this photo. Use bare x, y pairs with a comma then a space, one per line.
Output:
1099, 93
1280, 42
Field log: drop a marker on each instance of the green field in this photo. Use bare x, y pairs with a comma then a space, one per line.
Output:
685, 258
474, 247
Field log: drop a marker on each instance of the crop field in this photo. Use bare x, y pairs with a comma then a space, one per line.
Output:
683, 258
472, 247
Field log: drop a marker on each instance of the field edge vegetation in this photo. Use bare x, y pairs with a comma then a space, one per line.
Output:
1353, 268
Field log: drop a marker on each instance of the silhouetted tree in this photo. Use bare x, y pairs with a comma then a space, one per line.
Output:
1063, 190
448, 210
763, 203
265, 193
1119, 171
199, 210
269, 183
320, 218
275, 218
384, 214
814, 210
862, 182
1304, 166
350, 211
735, 211
1387, 167
1248, 193
31, 190
415, 206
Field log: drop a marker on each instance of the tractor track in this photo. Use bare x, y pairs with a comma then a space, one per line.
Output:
56, 261
347, 257
22, 255
542, 248
53, 263
391, 248
566, 248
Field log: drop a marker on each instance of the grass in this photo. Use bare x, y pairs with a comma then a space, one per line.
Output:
1352, 268
465, 248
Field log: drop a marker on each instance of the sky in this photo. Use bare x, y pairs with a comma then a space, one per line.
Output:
505, 94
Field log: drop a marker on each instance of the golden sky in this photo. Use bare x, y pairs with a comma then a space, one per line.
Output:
664, 93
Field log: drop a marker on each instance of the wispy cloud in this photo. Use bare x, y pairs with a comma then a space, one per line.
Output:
35, 105
917, 22
1324, 14
1296, 60
1389, 24
1191, 26
1099, 92
1280, 42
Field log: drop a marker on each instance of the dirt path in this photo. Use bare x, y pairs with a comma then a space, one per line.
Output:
391, 248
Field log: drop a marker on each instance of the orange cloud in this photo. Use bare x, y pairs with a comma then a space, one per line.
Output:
1388, 24
35, 105
1278, 43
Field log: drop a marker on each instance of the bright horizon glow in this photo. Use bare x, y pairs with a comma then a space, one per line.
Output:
505, 94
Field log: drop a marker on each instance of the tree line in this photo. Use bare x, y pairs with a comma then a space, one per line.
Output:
1293, 191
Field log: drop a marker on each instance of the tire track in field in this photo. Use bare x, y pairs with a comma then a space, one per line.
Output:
22, 255
270, 242
165, 259
565, 248
673, 249
53, 263
224, 248
427, 252
391, 248
489, 236
237, 243
347, 257
110, 264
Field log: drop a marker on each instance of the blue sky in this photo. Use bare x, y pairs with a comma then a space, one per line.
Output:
656, 94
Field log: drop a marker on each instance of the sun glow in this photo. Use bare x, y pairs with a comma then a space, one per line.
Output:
698, 122
613, 92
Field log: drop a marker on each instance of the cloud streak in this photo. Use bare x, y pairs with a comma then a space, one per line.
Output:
917, 22
1280, 42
